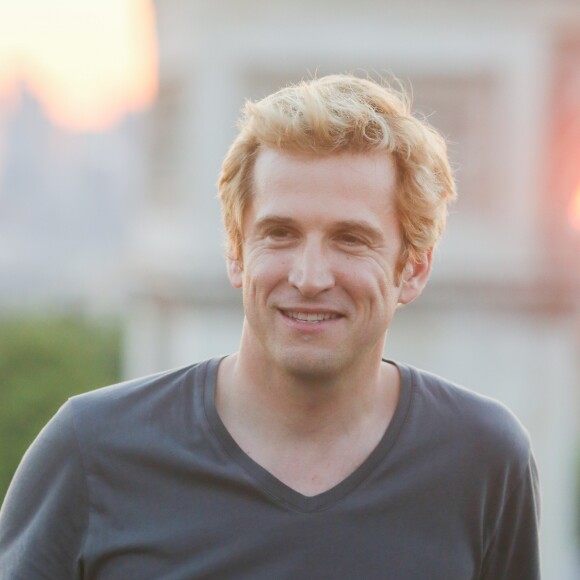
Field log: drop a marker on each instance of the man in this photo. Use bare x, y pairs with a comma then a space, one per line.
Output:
304, 455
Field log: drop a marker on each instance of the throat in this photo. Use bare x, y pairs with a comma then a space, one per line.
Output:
309, 437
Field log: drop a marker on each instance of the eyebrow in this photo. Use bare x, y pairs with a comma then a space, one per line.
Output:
273, 220
357, 226
360, 226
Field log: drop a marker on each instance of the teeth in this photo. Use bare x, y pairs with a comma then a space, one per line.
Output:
310, 317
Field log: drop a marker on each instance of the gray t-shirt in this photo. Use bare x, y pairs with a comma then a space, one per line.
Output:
142, 480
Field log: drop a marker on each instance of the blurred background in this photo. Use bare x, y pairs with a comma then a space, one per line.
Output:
115, 116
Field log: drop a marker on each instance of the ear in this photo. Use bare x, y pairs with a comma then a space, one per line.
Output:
234, 273
414, 278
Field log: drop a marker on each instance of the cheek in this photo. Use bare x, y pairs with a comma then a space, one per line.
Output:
263, 273
369, 279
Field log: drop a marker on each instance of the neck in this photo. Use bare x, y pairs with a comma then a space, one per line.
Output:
298, 406
308, 434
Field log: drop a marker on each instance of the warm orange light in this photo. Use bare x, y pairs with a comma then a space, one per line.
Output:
574, 210
89, 61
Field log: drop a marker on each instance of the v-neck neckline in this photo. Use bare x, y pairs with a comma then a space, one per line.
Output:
278, 490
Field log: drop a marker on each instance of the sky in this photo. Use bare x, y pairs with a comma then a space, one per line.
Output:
88, 61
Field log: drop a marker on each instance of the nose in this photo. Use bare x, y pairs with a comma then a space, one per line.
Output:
311, 271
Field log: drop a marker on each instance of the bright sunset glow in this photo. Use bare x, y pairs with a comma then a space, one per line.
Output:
575, 209
88, 61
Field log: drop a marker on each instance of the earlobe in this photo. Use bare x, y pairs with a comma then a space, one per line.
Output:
414, 278
234, 273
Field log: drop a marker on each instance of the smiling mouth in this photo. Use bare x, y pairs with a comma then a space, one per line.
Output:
310, 316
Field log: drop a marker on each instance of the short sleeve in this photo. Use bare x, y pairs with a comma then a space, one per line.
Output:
45, 512
513, 552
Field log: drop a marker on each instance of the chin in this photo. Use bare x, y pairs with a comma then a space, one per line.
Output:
312, 366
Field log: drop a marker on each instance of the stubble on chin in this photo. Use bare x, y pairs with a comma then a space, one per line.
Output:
315, 370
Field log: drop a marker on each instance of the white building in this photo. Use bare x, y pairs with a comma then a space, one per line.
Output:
502, 81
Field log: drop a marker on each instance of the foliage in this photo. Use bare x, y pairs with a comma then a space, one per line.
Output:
43, 361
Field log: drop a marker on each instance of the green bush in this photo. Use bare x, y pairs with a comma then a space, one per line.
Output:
43, 361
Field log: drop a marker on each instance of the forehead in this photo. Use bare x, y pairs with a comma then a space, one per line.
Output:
347, 183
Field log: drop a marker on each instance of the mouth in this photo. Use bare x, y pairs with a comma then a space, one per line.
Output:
310, 317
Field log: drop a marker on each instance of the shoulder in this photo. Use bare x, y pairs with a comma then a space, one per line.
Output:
481, 424
473, 449
133, 395
139, 412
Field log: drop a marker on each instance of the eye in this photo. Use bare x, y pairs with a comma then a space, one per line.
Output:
351, 240
279, 234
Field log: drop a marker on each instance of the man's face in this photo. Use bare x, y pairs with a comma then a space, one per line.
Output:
321, 243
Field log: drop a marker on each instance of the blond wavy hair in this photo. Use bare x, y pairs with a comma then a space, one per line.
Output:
344, 113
